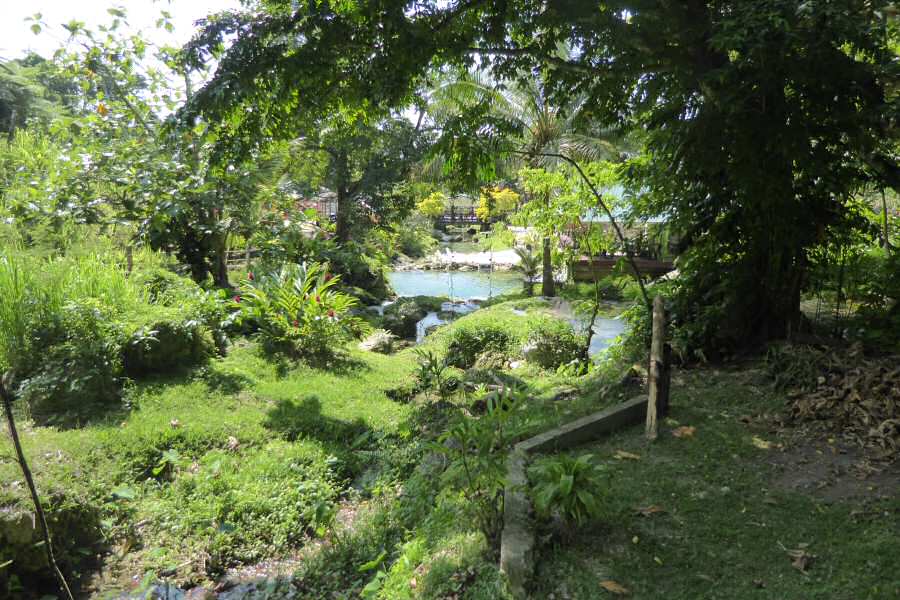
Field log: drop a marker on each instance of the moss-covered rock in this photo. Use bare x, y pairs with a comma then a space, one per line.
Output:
552, 343
401, 317
167, 344
74, 523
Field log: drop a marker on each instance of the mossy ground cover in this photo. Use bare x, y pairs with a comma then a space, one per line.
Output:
229, 463
249, 457
707, 515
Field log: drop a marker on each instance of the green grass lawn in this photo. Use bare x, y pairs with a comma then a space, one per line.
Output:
725, 527
248, 459
202, 472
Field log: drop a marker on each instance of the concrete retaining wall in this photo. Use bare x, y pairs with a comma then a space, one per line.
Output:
517, 539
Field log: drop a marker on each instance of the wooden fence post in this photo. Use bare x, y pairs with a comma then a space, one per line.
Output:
659, 373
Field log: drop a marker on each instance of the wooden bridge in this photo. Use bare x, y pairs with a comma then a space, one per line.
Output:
455, 216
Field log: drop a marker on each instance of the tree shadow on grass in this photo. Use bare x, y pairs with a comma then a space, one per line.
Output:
340, 364
225, 382
294, 419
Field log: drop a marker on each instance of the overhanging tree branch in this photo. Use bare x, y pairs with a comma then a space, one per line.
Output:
527, 51
600, 202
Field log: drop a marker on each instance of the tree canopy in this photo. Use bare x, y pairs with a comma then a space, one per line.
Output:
761, 119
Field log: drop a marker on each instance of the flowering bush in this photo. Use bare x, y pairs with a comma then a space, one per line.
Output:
299, 311
433, 206
496, 202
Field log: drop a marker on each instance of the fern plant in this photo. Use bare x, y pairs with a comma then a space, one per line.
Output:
298, 310
569, 487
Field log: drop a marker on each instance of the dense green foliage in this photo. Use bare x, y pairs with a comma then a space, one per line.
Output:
299, 311
746, 148
194, 241
73, 328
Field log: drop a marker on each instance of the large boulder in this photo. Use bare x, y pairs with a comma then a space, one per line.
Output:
401, 317
552, 343
379, 340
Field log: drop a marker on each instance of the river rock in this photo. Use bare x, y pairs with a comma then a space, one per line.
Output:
401, 317
379, 340
430, 329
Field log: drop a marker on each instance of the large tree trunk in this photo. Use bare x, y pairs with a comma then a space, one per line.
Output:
344, 206
548, 285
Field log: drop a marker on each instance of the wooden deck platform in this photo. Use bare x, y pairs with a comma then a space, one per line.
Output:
603, 266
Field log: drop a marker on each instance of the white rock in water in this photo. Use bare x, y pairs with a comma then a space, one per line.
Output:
378, 341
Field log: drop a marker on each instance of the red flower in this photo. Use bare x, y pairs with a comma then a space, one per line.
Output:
237, 298
250, 275
318, 299
330, 313
327, 276
296, 323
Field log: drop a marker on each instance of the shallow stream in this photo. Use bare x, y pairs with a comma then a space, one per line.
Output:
466, 288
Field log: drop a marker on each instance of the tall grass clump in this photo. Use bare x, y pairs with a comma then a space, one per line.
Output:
71, 327
17, 306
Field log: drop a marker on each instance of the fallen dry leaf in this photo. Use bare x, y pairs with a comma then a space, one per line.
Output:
646, 511
801, 559
622, 455
614, 588
685, 431
232, 443
761, 443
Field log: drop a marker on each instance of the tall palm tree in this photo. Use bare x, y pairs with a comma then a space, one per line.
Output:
545, 129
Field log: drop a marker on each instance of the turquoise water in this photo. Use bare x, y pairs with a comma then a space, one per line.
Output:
458, 285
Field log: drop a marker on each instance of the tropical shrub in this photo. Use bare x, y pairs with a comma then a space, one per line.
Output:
467, 343
551, 343
878, 322
432, 373
167, 344
79, 366
414, 238
299, 311
476, 448
72, 326
432, 206
495, 202
568, 487
529, 265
